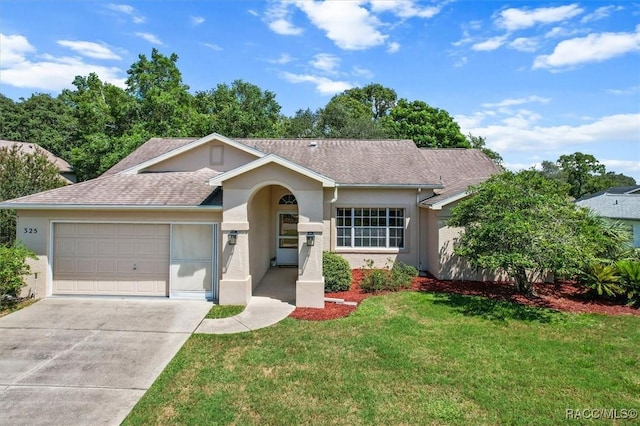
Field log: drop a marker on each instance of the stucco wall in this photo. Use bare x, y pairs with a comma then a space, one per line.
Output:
40, 222
213, 155
260, 236
452, 266
365, 197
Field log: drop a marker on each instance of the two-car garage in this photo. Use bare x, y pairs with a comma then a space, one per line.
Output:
135, 259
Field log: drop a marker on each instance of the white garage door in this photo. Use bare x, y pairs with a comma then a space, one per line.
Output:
111, 259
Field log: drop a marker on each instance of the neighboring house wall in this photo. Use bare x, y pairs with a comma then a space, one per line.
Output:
40, 222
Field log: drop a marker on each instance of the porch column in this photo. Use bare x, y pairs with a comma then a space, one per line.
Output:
310, 283
235, 285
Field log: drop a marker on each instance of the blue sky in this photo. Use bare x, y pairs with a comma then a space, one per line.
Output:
537, 79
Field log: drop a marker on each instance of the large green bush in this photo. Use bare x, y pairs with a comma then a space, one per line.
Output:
336, 271
13, 268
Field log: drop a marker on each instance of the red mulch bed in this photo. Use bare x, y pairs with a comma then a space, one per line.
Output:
562, 296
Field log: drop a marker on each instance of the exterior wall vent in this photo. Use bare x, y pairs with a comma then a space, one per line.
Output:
313, 144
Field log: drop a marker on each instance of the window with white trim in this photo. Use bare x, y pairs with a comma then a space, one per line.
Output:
370, 227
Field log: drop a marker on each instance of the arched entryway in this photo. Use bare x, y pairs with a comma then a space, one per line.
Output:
273, 242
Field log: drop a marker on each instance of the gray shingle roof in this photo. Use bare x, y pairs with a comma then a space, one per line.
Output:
152, 148
458, 168
614, 190
29, 148
349, 161
615, 206
145, 189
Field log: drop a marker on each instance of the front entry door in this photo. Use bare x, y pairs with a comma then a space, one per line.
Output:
287, 244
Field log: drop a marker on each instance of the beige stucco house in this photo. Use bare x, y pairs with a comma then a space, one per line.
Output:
208, 217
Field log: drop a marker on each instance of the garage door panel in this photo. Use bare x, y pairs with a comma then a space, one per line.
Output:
106, 248
111, 259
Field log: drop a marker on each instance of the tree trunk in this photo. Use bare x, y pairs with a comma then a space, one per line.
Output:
523, 285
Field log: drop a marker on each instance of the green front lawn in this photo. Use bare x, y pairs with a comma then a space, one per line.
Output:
405, 358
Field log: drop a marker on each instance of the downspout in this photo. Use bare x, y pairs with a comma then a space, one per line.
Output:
419, 234
331, 201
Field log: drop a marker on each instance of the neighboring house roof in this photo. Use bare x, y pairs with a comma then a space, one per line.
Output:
458, 168
185, 189
617, 203
30, 148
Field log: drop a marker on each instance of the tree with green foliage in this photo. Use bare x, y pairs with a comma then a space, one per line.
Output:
479, 142
526, 225
40, 119
425, 125
22, 174
581, 171
304, 124
165, 106
239, 110
347, 117
13, 269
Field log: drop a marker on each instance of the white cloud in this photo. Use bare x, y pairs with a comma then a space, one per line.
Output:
127, 10
284, 58
325, 62
253, 12
279, 18
626, 91
404, 8
491, 44
517, 101
151, 38
324, 85
46, 72
197, 20
626, 167
506, 138
592, 48
601, 13
90, 49
349, 25
524, 44
517, 19
393, 47
362, 72
14, 49
212, 46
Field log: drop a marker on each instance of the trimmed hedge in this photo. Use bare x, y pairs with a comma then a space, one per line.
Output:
336, 271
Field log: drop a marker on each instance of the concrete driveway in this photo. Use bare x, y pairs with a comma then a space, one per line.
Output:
86, 361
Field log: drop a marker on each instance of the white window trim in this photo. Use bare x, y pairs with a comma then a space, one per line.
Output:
387, 248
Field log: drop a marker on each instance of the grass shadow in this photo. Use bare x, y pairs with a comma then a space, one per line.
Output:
495, 310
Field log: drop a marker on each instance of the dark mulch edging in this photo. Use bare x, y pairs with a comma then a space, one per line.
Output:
564, 296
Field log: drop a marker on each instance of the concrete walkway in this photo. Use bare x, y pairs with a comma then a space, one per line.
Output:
273, 300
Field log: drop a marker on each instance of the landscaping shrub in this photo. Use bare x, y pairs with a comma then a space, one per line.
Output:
629, 272
394, 278
602, 279
13, 268
336, 271
402, 274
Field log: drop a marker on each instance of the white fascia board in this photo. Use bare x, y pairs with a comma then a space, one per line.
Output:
391, 185
191, 145
440, 204
105, 207
272, 158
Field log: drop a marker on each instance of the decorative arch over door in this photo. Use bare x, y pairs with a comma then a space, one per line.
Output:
288, 200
